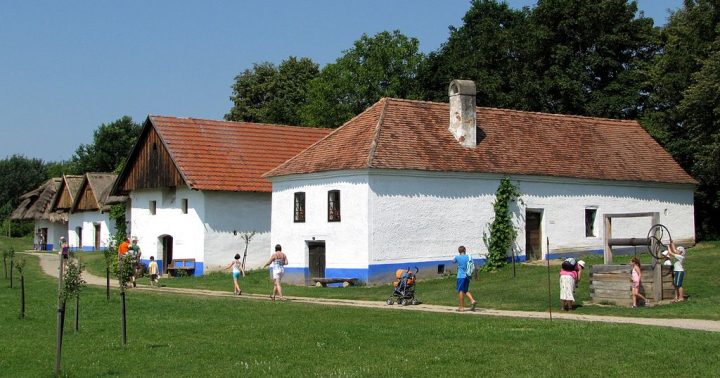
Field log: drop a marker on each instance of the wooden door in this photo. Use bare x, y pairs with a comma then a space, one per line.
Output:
97, 237
167, 251
79, 234
43, 239
316, 260
533, 235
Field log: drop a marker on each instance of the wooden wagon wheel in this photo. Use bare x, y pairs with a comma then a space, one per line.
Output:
656, 235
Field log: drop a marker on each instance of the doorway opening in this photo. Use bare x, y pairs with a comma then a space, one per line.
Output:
78, 230
166, 245
533, 235
97, 236
316, 259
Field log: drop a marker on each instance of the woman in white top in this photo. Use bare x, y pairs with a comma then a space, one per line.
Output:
237, 268
278, 260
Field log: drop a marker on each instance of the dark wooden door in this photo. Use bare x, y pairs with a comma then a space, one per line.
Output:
167, 251
533, 236
79, 233
97, 237
43, 239
316, 259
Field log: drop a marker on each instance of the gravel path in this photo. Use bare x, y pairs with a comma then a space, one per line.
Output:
49, 264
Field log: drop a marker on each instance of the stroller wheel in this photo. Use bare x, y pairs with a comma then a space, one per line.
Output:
414, 302
401, 302
390, 301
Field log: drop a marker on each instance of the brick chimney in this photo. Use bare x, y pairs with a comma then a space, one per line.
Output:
462, 112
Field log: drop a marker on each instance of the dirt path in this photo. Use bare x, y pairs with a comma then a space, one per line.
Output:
49, 264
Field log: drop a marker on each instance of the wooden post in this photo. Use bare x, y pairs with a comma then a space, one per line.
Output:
607, 250
657, 268
547, 257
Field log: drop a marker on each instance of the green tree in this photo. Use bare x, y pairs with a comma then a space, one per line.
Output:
586, 57
272, 94
683, 109
384, 65
592, 56
111, 145
489, 48
18, 175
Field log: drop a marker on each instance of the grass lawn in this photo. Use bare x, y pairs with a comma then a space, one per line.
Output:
177, 335
528, 290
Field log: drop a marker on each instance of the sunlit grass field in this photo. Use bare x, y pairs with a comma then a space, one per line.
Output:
526, 289
180, 335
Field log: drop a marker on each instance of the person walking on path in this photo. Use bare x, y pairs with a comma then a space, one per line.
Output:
636, 274
278, 260
678, 270
463, 280
123, 248
153, 271
237, 268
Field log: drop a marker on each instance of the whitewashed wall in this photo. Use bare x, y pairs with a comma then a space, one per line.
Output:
227, 216
87, 220
186, 229
422, 217
428, 215
564, 203
390, 218
55, 231
346, 242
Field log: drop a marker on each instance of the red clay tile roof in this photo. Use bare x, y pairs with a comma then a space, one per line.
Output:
232, 156
413, 135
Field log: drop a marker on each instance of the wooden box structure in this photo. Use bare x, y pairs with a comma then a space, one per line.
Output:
611, 284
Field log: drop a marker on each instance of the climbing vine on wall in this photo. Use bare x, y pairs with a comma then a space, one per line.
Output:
502, 233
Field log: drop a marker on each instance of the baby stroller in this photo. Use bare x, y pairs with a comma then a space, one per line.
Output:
404, 288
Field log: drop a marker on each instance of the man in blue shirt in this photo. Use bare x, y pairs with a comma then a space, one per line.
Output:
463, 280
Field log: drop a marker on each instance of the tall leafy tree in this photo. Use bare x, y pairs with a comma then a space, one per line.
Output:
18, 175
384, 65
111, 145
583, 57
272, 94
591, 56
491, 48
683, 110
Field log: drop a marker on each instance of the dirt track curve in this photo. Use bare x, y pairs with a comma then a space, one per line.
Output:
49, 264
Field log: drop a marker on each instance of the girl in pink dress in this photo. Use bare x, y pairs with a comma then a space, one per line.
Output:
636, 274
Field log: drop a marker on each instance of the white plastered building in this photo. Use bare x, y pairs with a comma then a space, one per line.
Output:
406, 182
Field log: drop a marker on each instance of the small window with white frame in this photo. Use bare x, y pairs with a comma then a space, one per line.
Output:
590, 216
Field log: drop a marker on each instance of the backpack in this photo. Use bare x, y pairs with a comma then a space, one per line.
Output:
470, 267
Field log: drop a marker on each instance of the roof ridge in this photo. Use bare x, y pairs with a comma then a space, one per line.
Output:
238, 122
376, 134
559, 115
336, 130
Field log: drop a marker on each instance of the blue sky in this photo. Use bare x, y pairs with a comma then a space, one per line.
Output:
68, 66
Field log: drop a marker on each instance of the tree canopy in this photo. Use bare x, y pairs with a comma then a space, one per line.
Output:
18, 175
111, 145
384, 65
272, 94
684, 103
